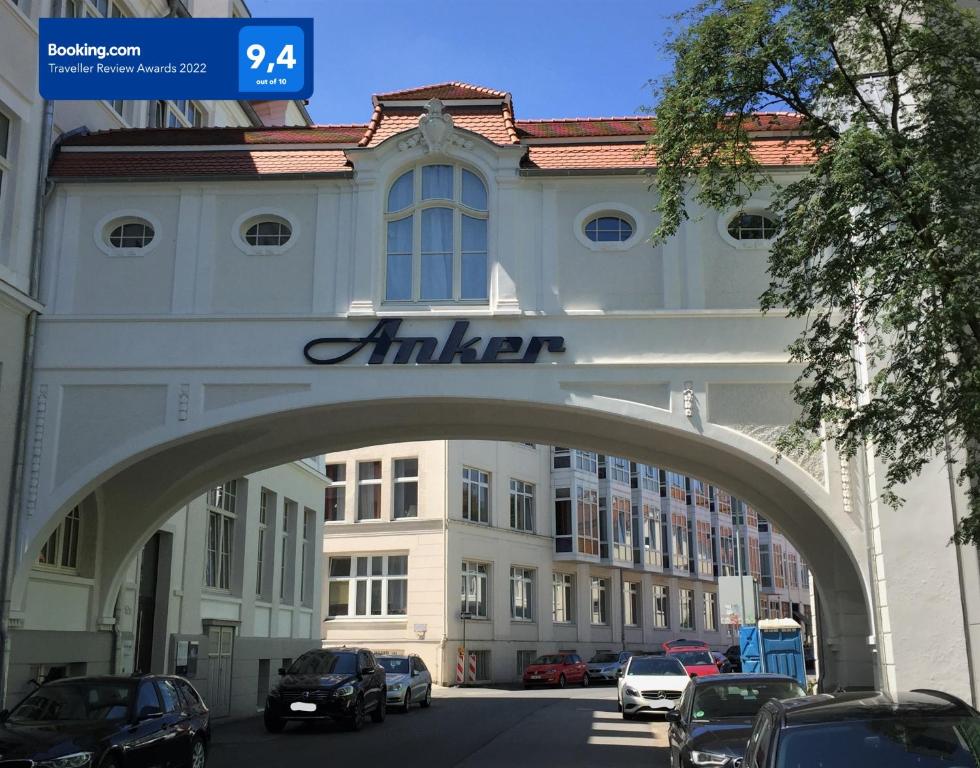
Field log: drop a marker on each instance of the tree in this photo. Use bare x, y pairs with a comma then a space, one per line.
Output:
878, 250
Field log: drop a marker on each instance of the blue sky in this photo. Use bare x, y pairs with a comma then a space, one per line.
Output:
559, 58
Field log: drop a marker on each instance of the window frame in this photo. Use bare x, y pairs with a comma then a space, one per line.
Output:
661, 606
686, 605
599, 599
522, 505
474, 569
250, 218
480, 484
404, 480
413, 211
754, 206
221, 503
368, 579
376, 483
338, 489
262, 527
57, 537
609, 209
522, 594
632, 605
710, 611
563, 584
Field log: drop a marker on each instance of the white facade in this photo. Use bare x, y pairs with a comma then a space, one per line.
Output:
409, 523
195, 585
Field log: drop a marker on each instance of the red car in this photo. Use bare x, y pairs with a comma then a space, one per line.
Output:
696, 659
559, 669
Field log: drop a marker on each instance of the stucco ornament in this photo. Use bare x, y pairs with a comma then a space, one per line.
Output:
436, 131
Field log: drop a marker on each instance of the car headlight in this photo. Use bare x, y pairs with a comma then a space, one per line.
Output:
395, 687
708, 758
631, 691
346, 690
74, 760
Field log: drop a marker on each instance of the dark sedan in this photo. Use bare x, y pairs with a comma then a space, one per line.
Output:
108, 722
712, 723
344, 684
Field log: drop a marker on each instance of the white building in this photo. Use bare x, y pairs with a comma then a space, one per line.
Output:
542, 549
226, 592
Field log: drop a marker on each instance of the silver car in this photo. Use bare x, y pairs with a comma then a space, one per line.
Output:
604, 666
408, 680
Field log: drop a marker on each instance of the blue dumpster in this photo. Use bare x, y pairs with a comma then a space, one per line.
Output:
774, 646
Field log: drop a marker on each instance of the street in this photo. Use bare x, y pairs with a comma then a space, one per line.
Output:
471, 728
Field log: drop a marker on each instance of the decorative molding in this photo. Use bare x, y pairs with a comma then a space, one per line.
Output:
845, 485
436, 131
183, 401
40, 416
769, 434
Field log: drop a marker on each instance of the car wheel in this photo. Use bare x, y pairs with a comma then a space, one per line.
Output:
199, 754
408, 701
427, 701
561, 681
628, 715
356, 721
273, 724
585, 681
379, 712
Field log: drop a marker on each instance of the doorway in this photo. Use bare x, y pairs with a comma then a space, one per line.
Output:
221, 644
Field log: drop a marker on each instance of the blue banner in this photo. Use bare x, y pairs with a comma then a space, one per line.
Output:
176, 58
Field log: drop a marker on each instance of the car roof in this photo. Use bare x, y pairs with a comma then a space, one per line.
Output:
735, 678
870, 705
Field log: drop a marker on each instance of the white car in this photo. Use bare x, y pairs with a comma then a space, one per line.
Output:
651, 684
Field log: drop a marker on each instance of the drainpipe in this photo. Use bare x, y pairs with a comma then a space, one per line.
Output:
11, 534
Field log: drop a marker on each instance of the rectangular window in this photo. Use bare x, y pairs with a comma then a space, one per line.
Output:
726, 546
754, 562
285, 550
335, 494
265, 501
706, 559
699, 493
763, 524
183, 113
524, 660
562, 598
661, 606
588, 520
521, 506
406, 491
619, 469
587, 461
563, 520
561, 458
306, 557
476, 495
475, 592
4, 151
766, 566
360, 586
60, 551
794, 573
680, 542
220, 535
710, 611
631, 604
648, 478
651, 536
369, 490
676, 487
599, 608
804, 575
687, 608
779, 566
622, 529
482, 666
521, 594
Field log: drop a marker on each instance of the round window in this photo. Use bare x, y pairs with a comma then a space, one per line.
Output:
608, 229
266, 232
752, 226
133, 233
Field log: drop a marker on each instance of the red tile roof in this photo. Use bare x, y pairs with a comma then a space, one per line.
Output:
446, 91
78, 165
585, 127
491, 122
167, 137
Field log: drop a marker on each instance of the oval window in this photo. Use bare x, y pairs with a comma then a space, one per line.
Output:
608, 229
134, 233
274, 232
752, 226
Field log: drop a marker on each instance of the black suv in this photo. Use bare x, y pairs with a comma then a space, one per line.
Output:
924, 729
342, 684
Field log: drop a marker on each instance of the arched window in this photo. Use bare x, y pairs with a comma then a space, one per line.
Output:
267, 231
130, 233
752, 226
608, 229
436, 235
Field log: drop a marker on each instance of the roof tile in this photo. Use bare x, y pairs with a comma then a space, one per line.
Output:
68, 165
449, 91
167, 137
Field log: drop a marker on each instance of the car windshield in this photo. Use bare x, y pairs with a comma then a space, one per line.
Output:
324, 663
604, 658
721, 700
548, 660
896, 742
656, 666
75, 701
394, 665
691, 658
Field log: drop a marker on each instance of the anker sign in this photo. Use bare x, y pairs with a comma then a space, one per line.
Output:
426, 350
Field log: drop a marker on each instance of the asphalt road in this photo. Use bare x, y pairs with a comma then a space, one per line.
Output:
471, 728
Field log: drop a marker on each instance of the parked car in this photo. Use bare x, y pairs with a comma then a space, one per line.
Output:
920, 729
722, 662
696, 660
558, 669
110, 722
606, 665
734, 655
712, 722
408, 680
651, 684
343, 684
684, 643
